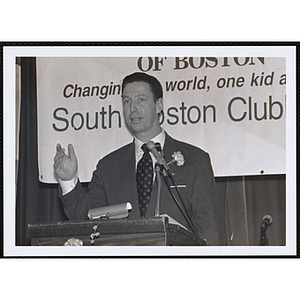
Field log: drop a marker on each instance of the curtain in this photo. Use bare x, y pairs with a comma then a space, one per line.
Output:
243, 200
35, 201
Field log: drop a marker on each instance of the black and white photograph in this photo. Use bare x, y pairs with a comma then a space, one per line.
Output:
150, 151
198, 96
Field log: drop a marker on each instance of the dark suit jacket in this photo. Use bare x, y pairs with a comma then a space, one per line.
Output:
114, 182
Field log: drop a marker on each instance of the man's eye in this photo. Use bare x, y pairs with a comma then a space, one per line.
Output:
141, 99
126, 101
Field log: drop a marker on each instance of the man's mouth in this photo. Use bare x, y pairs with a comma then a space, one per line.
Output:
135, 120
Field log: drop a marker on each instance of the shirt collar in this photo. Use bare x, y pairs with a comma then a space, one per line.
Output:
160, 138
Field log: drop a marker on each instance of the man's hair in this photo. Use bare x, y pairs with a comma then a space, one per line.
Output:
155, 85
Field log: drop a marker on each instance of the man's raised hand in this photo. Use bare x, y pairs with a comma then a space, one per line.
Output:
65, 166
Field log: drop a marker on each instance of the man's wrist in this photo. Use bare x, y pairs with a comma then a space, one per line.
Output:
68, 185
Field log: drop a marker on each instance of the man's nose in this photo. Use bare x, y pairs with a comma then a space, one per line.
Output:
133, 106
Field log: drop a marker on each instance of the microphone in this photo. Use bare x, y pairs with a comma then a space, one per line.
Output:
160, 160
158, 147
267, 221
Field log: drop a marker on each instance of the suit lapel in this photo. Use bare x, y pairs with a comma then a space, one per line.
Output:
169, 148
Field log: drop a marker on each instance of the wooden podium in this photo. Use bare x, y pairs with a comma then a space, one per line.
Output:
121, 232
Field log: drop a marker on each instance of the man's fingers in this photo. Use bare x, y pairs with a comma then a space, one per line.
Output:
60, 152
59, 155
71, 151
58, 147
56, 165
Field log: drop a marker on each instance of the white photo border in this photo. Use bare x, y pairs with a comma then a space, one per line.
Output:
9, 58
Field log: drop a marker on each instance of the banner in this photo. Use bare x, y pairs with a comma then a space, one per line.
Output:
231, 107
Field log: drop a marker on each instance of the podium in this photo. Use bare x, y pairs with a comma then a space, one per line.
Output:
156, 231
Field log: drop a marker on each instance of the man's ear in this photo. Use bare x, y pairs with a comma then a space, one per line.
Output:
159, 105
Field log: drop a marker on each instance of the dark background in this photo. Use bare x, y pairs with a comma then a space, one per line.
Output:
244, 200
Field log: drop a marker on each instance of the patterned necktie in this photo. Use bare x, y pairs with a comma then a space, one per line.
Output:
144, 179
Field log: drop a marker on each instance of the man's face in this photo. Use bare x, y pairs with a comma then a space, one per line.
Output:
140, 110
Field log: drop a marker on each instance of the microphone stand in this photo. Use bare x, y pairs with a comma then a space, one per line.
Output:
263, 235
167, 174
159, 183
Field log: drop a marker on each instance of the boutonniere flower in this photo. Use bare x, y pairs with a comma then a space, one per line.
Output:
178, 158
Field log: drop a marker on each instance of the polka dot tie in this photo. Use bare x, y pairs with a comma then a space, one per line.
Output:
144, 179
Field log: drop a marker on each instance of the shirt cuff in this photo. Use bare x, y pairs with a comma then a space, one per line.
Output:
68, 185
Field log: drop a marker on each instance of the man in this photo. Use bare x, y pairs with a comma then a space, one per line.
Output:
116, 177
